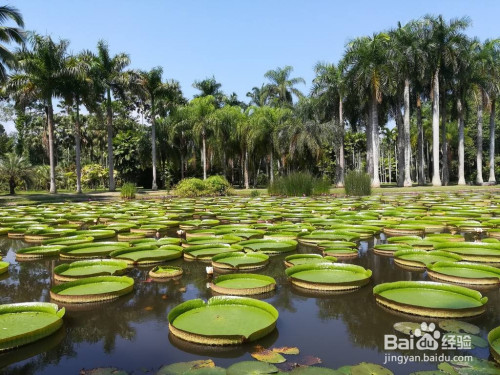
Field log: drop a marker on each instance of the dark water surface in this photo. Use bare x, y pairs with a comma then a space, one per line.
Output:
132, 332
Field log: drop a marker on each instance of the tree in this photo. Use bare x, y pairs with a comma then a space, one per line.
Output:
201, 115
210, 87
13, 169
328, 87
40, 75
258, 96
112, 79
151, 91
282, 87
9, 35
365, 61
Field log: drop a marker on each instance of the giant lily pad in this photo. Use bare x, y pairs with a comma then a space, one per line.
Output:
430, 299
23, 323
252, 368
4, 266
89, 268
240, 261
92, 289
161, 273
464, 273
243, 284
329, 276
457, 326
67, 241
482, 252
270, 247
389, 249
37, 252
147, 254
91, 250
206, 252
297, 259
181, 368
419, 259
222, 320
494, 342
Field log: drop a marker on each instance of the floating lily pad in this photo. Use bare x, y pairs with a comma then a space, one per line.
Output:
206, 252
329, 276
365, 368
37, 252
240, 261
476, 366
270, 247
89, 268
494, 341
297, 259
92, 289
222, 320
266, 355
147, 254
419, 259
252, 368
165, 272
4, 266
67, 241
243, 284
91, 250
181, 368
430, 299
465, 273
103, 371
389, 249
457, 326
23, 323
314, 371
408, 328
287, 350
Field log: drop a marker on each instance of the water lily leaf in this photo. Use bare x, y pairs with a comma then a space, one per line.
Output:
365, 368
252, 368
207, 371
431, 372
457, 326
266, 355
287, 350
314, 371
476, 341
408, 328
344, 370
476, 366
181, 368
309, 360
447, 368
103, 371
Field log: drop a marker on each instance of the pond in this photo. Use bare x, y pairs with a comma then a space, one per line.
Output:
131, 333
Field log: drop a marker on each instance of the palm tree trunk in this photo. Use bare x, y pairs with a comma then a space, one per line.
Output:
400, 146
492, 142
109, 115
444, 141
436, 179
154, 185
50, 126
341, 158
369, 145
245, 170
420, 143
12, 186
78, 150
407, 147
461, 147
479, 140
204, 153
271, 166
389, 162
375, 142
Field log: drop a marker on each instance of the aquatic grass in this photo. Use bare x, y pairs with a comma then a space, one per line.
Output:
357, 183
299, 184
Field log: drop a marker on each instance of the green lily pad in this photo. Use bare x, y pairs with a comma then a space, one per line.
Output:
266, 355
365, 368
408, 328
314, 371
447, 368
182, 368
207, 371
251, 368
458, 326
103, 371
476, 366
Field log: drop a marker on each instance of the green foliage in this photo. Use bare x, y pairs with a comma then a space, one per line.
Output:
128, 191
94, 176
299, 184
194, 187
254, 193
14, 170
357, 183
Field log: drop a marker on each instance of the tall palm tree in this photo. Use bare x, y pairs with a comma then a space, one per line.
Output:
112, 79
282, 87
40, 75
201, 114
210, 86
152, 91
14, 168
442, 41
328, 87
9, 35
366, 66
258, 96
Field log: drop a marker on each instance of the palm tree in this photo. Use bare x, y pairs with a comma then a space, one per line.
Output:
282, 87
112, 78
442, 40
365, 64
41, 74
210, 86
151, 90
14, 168
328, 87
9, 35
258, 96
201, 114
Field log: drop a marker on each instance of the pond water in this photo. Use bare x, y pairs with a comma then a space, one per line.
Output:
132, 333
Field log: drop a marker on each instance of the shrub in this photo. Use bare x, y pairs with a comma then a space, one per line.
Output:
357, 183
254, 193
194, 187
217, 185
298, 184
128, 190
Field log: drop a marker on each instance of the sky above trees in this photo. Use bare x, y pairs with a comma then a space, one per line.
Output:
236, 41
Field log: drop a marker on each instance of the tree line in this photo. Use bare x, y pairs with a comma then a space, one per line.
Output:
89, 113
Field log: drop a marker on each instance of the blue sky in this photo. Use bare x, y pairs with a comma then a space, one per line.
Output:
237, 41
